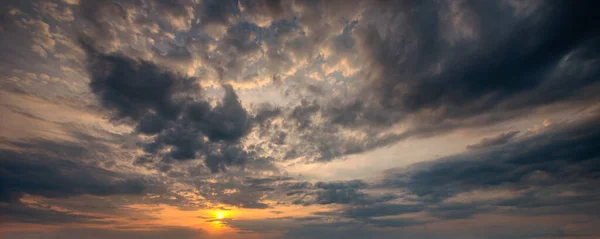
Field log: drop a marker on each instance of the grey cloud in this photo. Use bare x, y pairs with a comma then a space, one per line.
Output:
417, 63
218, 12
413, 73
459, 210
23, 213
346, 192
262, 225
380, 210
263, 7
303, 114
266, 112
337, 230
339, 192
564, 157
490, 73
166, 104
395, 223
537, 169
94, 233
56, 170
244, 196
417, 230
267, 180
216, 159
410, 73
146, 88
340, 196
494, 141
52, 176
229, 120
244, 37
241, 190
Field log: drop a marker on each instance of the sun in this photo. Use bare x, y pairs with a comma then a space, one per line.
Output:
220, 215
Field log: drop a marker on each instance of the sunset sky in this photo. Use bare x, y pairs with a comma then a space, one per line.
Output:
300, 119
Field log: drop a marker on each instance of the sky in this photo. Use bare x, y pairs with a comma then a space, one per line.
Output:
277, 119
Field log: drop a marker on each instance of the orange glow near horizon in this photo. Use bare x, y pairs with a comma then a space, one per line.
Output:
221, 214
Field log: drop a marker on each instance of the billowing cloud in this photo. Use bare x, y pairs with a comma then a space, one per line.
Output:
171, 106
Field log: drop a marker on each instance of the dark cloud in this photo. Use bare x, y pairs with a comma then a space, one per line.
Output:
459, 210
489, 72
427, 68
167, 104
38, 173
339, 192
23, 213
344, 195
338, 230
380, 210
218, 12
417, 230
228, 120
240, 190
267, 180
532, 175
395, 223
233, 193
265, 7
497, 140
135, 88
57, 170
506, 68
153, 232
303, 114
542, 165
217, 158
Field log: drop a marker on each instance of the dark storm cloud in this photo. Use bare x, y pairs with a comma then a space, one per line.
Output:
497, 140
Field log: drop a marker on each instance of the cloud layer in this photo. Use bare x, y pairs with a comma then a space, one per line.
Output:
299, 119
